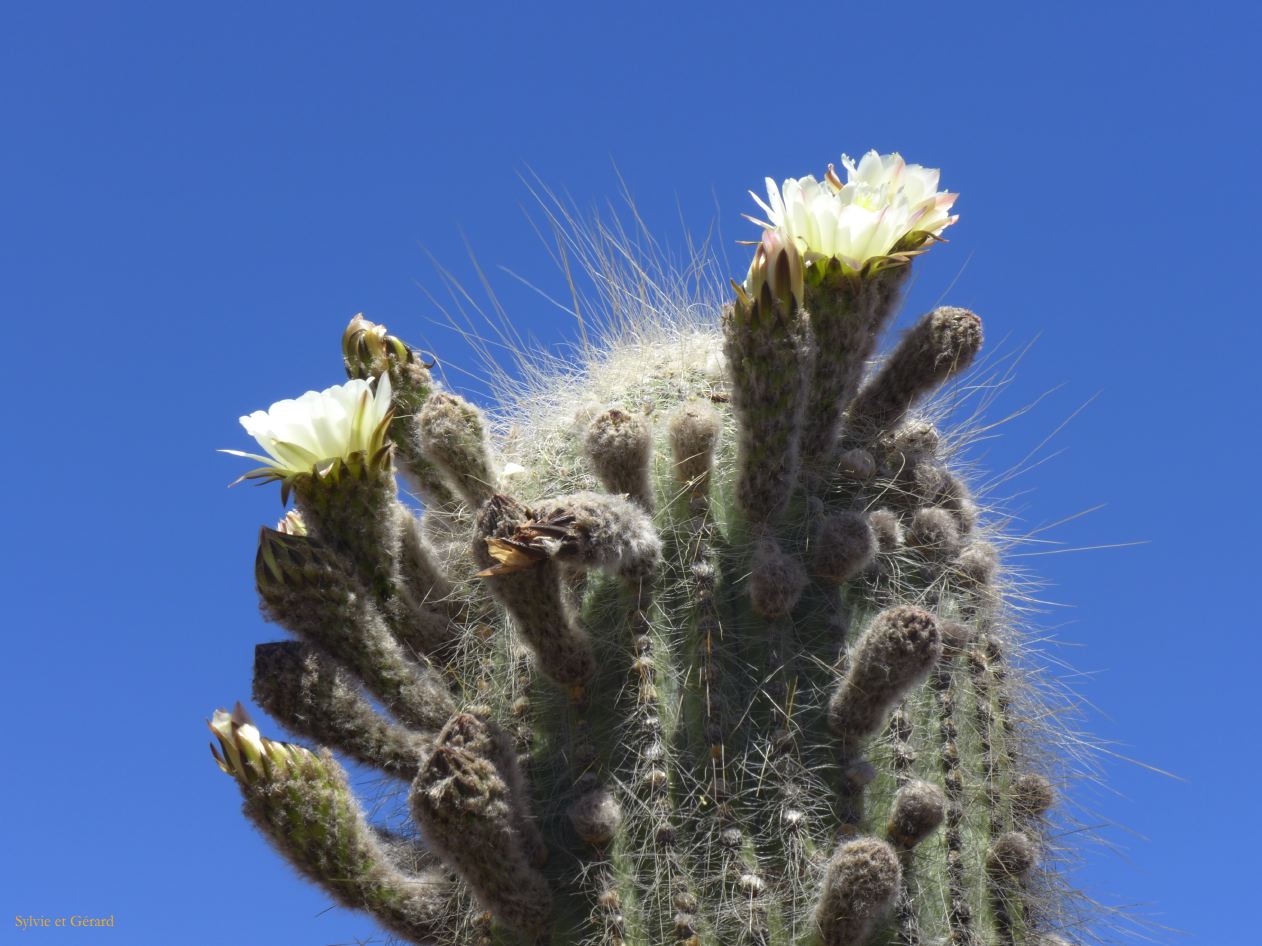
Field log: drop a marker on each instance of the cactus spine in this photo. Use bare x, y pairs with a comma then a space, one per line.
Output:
725, 661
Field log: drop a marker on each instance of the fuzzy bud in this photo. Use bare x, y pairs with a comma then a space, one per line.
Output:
464, 807
369, 351
860, 887
940, 345
844, 546
694, 433
896, 652
955, 497
596, 816
956, 636
977, 564
934, 533
856, 464
776, 580
1032, 795
1011, 856
918, 809
921, 482
912, 440
453, 434
886, 529
620, 448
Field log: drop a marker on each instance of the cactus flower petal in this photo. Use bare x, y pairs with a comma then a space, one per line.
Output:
885, 208
319, 428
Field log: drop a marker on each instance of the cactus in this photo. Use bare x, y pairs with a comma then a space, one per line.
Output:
722, 657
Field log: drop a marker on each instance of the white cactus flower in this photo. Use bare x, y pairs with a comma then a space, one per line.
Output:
310, 433
877, 212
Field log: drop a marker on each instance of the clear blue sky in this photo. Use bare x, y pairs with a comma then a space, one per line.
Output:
196, 198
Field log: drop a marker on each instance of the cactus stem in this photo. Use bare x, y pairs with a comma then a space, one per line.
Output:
313, 696
903, 758
847, 316
651, 771
959, 911
778, 832
595, 817
997, 738
738, 876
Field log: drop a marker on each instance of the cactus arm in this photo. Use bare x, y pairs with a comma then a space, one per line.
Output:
313, 696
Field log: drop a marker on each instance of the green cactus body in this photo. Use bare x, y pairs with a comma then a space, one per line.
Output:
686, 691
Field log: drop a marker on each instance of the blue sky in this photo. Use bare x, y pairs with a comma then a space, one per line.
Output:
197, 198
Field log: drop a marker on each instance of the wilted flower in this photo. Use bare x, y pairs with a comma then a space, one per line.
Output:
313, 432
885, 208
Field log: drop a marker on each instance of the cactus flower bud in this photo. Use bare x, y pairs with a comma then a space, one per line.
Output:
368, 351
243, 753
777, 265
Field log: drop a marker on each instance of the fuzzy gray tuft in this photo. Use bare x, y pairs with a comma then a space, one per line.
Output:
595, 816
860, 886
886, 529
844, 545
1032, 795
453, 434
896, 653
1011, 855
619, 447
776, 580
694, 433
918, 810
934, 533
940, 345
